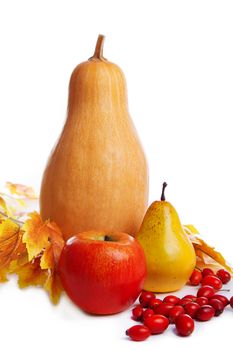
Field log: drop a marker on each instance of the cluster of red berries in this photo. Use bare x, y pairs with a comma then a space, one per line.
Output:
209, 278
156, 314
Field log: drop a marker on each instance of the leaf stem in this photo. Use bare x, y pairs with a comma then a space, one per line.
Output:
197, 268
18, 222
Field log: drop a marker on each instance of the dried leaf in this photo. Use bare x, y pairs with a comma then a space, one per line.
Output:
6, 211
11, 246
30, 274
53, 286
56, 245
206, 254
21, 190
204, 260
32, 252
36, 235
3, 205
3, 275
42, 237
49, 260
45, 239
11, 207
191, 229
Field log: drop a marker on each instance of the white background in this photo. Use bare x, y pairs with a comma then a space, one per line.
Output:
178, 60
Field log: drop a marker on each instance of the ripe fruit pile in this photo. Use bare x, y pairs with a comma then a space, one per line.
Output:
156, 314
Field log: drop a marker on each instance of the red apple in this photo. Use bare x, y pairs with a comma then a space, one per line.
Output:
103, 273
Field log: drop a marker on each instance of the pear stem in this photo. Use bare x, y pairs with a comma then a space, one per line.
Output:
98, 54
163, 195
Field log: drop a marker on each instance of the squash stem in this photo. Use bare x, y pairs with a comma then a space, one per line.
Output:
98, 54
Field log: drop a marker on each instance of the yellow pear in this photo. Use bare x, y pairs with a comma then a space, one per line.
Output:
169, 253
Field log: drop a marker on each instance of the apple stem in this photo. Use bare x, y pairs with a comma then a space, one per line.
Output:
107, 238
162, 195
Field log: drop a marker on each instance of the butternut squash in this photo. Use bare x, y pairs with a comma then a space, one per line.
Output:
96, 177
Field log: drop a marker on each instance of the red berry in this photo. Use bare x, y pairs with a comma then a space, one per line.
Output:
154, 302
231, 302
174, 312
147, 313
191, 309
137, 313
138, 332
190, 296
217, 305
223, 275
195, 278
184, 301
163, 309
157, 324
205, 291
171, 299
202, 301
212, 281
205, 313
207, 272
145, 298
184, 325
222, 298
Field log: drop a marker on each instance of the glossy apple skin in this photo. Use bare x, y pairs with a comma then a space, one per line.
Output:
102, 276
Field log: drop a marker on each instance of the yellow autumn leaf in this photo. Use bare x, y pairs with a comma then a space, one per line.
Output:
29, 274
36, 235
45, 240
206, 254
49, 261
191, 229
3, 205
11, 246
21, 190
4, 208
53, 286
56, 244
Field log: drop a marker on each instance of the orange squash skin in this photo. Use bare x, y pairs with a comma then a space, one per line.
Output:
96, 177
